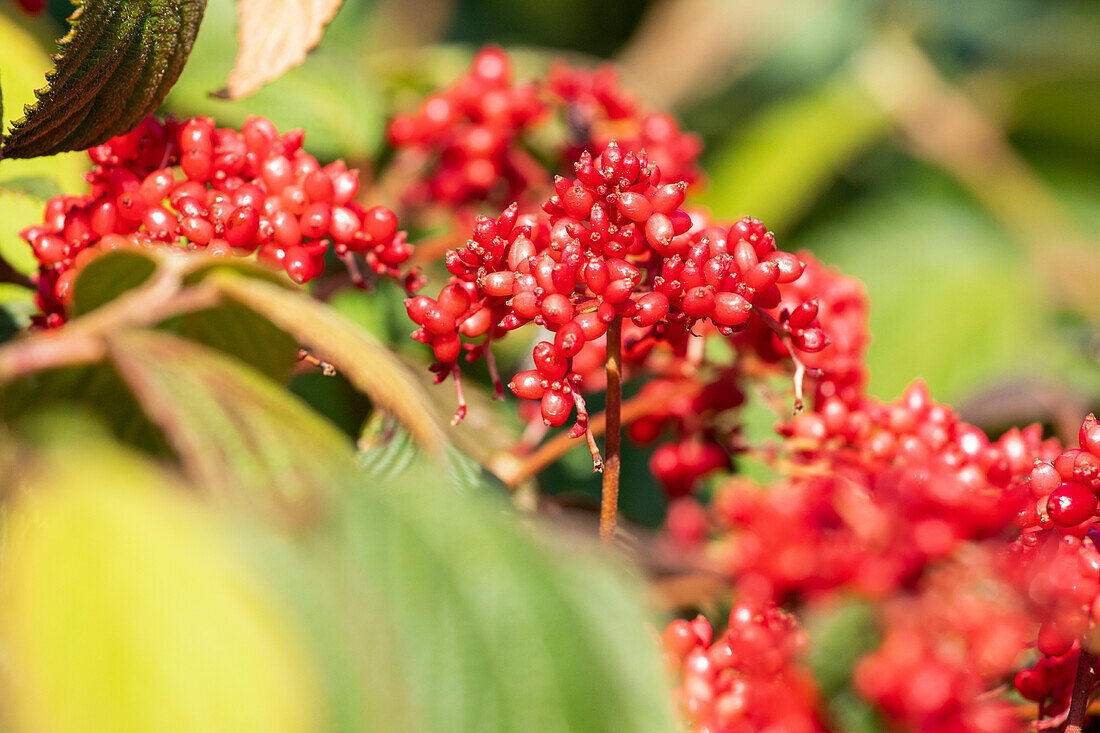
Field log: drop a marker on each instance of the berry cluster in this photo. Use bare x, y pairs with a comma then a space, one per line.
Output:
837, 370
973, 549
944, 647
1057, 561
699, 447
473, 137
614, 244
874, 494
470, 131
748, 679
190, 184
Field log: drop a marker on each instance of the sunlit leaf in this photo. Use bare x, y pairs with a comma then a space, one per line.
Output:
124, 606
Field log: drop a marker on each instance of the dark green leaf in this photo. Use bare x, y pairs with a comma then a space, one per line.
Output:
108, 276
238, 434
95, 390
114, 67
242, 333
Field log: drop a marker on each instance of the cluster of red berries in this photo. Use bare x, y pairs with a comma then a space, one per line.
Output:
614, 244
597, 110
749, 679
945, 646
874, 493
689, 407
189, 184
468, 132
1057, 560
472, 137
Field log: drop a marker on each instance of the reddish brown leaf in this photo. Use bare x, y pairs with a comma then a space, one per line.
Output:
274, 36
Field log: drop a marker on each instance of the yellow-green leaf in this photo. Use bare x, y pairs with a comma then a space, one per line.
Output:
124, 608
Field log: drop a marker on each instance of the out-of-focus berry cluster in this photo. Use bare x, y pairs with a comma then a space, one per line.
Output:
748, 679
472, 138
945, 645
189, 184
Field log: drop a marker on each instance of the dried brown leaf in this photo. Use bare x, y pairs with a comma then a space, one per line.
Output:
275, 36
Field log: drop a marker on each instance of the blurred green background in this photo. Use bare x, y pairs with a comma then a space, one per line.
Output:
945, 153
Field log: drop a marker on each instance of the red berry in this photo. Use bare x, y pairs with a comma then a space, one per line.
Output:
528, 385
1070, 504
730, 309
550, 362
556, 407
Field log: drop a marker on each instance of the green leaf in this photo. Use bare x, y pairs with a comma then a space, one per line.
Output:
838, 638
95, 390
126, 606
477, 628
387, 451
953, 302
237, 433
114, 67
18, 210
364, 361
109, 276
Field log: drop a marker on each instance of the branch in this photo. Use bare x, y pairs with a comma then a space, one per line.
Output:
514, 472
81, 341
1082, 686
609, 498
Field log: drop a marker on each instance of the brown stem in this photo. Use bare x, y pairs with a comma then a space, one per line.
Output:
1082, 686
609, 501
307, 358
514, 473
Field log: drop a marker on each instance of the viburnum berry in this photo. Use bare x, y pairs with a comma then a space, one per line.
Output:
605, 246
190, 184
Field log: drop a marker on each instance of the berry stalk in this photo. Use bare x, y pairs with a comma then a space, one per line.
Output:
609, 500
1082, 686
